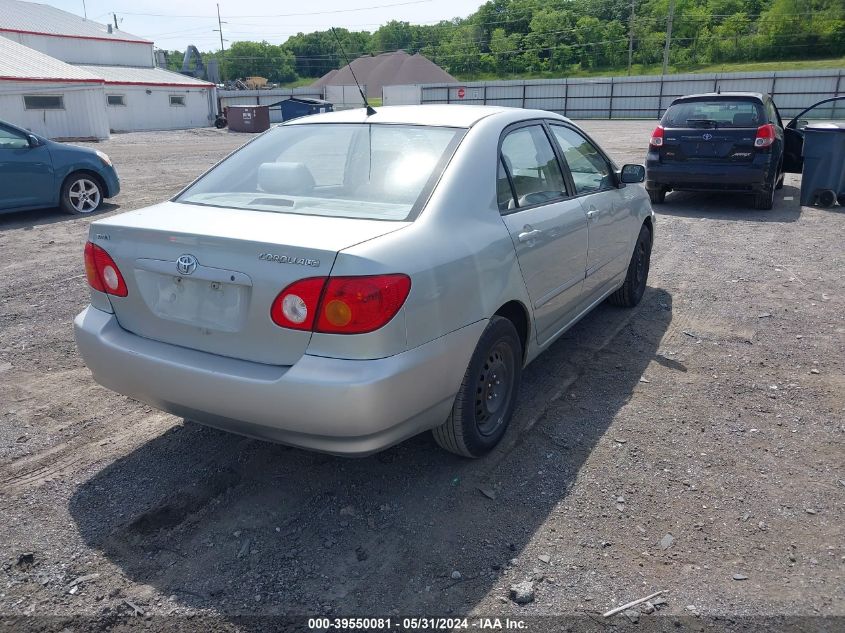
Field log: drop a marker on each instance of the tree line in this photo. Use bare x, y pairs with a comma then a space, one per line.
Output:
537, 37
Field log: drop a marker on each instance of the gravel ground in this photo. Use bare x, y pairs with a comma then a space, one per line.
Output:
693, 445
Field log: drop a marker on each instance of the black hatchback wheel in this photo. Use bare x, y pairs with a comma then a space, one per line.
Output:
485, 402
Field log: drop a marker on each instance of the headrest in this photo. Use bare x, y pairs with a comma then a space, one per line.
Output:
285, 178
745, 119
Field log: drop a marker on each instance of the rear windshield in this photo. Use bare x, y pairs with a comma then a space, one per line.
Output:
377, 172
716, 113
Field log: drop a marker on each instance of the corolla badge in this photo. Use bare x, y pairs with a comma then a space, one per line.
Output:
706, 137
186, 264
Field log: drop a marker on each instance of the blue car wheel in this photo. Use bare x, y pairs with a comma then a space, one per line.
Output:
82, 193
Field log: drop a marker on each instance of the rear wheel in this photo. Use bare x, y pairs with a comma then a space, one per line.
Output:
765, 200
485, 402
81, 194
657, 196
633, 288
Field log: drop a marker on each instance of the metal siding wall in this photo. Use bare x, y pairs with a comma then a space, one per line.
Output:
153, 111
82, 51
401, 95
84, 114
645, 97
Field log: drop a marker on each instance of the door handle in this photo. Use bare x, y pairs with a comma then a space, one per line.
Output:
592, 213
527, 236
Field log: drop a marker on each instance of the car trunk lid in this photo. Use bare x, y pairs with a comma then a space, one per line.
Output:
205, 277
711, 145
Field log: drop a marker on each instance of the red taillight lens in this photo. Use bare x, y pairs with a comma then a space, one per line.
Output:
296, 306
657, 137
340, 305
103, 274
765, 135
355, 305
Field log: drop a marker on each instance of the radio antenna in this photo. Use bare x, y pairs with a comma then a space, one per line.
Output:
370, 110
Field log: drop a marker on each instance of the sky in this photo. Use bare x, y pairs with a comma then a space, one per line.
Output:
175, 24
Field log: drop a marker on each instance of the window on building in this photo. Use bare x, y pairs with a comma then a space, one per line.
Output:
116, 100
43, 102
177, 100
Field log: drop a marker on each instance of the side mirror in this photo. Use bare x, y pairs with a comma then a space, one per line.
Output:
632, 173
33, 140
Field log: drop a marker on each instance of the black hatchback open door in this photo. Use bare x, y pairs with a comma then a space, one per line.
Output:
793, 133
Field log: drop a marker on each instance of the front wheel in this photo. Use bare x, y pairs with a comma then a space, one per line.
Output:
485, 402
81, 194
633, 288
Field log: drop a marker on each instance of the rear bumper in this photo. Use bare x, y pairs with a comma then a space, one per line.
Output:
695, 176
344, 407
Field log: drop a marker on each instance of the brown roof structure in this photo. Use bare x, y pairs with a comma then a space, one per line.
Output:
387, 69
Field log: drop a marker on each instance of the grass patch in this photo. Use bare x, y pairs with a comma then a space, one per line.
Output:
655, 69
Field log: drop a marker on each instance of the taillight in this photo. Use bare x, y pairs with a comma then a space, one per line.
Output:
355, 305
657, 137
296, 306
765, 135
103, 274
341, 305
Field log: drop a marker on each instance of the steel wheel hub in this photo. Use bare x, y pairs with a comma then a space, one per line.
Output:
493, 389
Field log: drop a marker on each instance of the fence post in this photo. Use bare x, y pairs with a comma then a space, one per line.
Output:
523, 93
660, 98
565, 95
836, 103
774, 83
485, 94
610, 104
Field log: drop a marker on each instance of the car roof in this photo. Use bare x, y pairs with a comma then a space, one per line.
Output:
759, 96
444, 115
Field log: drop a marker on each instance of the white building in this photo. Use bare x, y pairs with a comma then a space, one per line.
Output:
63, 76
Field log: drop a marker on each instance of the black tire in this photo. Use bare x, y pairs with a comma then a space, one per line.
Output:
657, 196
487, 397
82, 193
633, 288
764, 200
220, 123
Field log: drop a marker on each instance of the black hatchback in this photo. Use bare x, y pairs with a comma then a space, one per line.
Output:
730, 142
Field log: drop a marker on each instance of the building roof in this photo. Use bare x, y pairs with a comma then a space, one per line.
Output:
42, 19
387, 69
21, 63
141, 76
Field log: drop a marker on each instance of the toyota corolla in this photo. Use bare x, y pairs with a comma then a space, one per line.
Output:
346, 281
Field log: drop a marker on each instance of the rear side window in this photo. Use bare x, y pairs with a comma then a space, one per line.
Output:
724, 113
529, 158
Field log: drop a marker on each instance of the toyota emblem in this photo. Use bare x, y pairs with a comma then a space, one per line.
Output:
706, 137
186, 264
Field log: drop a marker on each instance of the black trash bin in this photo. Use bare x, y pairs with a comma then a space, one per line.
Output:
823, 178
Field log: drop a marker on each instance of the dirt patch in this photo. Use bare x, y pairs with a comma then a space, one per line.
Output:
712, 413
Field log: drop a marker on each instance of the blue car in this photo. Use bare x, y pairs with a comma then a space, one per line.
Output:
36, 173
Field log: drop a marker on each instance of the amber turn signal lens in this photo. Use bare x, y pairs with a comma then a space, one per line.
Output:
338, 313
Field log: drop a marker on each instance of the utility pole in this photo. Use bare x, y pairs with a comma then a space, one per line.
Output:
222, 48
84, 10
115, 21
631, 37
668, 35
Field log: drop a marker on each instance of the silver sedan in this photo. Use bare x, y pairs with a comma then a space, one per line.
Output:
346, 281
